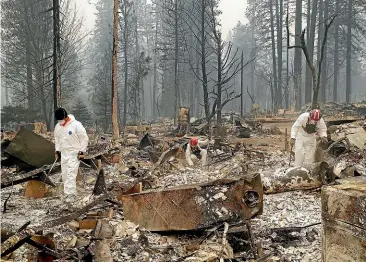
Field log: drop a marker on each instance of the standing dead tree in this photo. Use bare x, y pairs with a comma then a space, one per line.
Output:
172, 51
114, 72
126, 23
316, 74
213, 53
196, 20
28, 41
141, 68
227, 65
56, 52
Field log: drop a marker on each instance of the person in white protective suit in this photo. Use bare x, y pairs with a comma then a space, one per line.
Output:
303, 135
71, 141
194, 153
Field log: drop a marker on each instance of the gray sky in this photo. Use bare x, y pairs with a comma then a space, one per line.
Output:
232, 12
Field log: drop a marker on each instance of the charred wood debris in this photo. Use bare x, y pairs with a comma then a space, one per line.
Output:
139, 201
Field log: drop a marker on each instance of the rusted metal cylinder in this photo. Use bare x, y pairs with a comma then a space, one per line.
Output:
298, 178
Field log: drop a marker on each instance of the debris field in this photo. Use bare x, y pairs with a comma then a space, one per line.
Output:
139, 201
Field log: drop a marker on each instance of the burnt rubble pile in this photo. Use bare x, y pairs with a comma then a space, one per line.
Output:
139, 201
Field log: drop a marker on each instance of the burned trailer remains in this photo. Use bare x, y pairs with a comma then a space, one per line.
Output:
195, 206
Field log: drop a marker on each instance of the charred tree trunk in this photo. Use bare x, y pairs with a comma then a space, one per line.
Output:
39, 83
297, 58
252, 73
203, 62
241, 83
252, 56
114, 72
316, 84
308, 81
287, 103
176, 92
349, 53
155, 88
310, 45
279, 20
219, 77
29, 78
274, 64
125, 52
320, 33
325, 56
138, 86
56, 50
28, 58
336, 55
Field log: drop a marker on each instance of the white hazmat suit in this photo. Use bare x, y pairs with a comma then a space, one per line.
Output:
70, 139
305, 144
191, 157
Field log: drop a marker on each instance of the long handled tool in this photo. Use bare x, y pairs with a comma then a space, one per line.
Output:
289, 163
47, 174
53, 165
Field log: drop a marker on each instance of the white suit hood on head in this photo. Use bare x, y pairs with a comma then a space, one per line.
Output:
297, 129
70, 139
190, 156
305, 144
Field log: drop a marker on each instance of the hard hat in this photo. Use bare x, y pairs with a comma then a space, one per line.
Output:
315, 114
193, 141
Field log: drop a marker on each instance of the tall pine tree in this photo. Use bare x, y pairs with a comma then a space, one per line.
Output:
82, 113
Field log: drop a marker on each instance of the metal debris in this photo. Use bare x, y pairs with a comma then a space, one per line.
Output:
344, 221
31, 148
195, 206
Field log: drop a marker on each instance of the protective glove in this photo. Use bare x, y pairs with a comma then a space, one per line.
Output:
292, 142
324, 140
57, 155
81, 155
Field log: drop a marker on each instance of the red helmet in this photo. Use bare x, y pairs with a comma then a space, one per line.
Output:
315, 114
193, 141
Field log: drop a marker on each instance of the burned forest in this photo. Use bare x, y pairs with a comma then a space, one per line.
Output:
183, 130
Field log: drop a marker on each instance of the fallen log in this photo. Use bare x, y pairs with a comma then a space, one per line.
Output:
36, 174
43, 248
298, 178
75, 215
17, 240
6, 233
42, 174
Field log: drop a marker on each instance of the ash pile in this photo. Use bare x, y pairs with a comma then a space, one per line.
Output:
138, 200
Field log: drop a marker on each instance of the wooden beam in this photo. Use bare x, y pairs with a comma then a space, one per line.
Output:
36, 174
